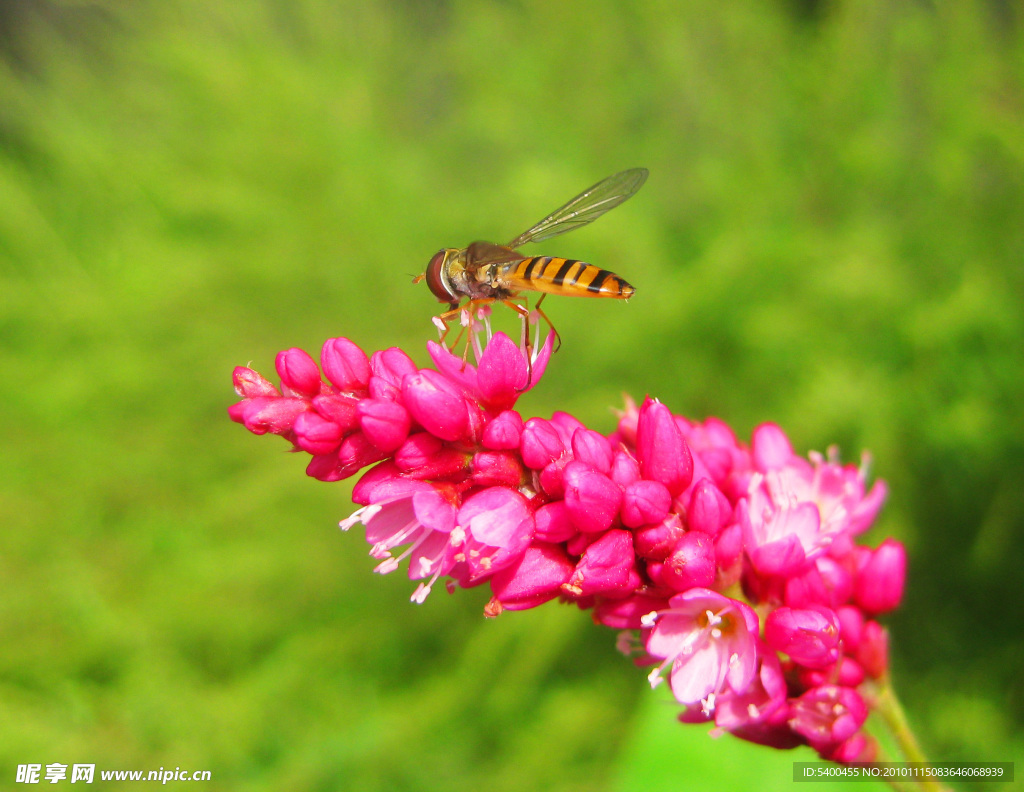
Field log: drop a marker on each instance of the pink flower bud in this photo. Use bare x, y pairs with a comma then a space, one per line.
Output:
552, 478
873, 652
656, 542
314, 435
541, 443
385, 423
345, 365
262, 415
770, 447
691, 564
710, 511
608, 567
298, 372
644, 503
807, 589
387, 370
534, 579
592, 498
592, 448
661, 450
626, 429
625, 469
851, 627
729, 546
424, 456
846, 672
436, 404
878, 586
504, 433
625, 614
828, 715
338, 409
810, 636
858, 748
553, 523
566, 426
493, 468
837, 580
249, 384
354, 453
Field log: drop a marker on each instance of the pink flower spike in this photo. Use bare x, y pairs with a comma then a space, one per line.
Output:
592, 498
385, 423
707, 641
534, 579
314, 435
661, 450
770, 448
436, 404
345, 365
250, 384
644, 503
298, 371
504, 433
608, 567
878, 586
809, 636
828, 715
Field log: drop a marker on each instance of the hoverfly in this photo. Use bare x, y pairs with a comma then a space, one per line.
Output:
486, 273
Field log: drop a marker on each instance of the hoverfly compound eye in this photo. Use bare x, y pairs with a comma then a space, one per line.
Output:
437, 278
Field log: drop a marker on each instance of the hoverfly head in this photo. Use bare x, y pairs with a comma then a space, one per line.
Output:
439, 278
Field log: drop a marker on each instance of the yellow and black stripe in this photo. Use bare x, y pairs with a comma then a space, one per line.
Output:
565, 276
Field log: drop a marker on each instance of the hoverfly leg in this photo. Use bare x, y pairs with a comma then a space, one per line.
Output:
524, 315
544, 316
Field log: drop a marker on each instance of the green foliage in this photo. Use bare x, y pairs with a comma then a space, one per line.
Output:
832, 238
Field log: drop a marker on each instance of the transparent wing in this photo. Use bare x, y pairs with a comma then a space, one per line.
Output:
585, 207
480, 254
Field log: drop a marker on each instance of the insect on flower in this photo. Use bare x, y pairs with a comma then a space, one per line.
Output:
485, 272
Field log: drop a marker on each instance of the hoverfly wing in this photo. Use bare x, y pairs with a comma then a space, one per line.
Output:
585, 207
480, 254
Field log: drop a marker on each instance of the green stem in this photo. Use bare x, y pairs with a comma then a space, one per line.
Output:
888, 707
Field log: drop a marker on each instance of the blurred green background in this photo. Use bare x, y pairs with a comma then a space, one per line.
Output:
832, 238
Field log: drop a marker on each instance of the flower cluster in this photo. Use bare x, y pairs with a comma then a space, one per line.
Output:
731, 568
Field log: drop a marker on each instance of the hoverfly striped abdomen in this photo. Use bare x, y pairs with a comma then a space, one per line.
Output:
564, 276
